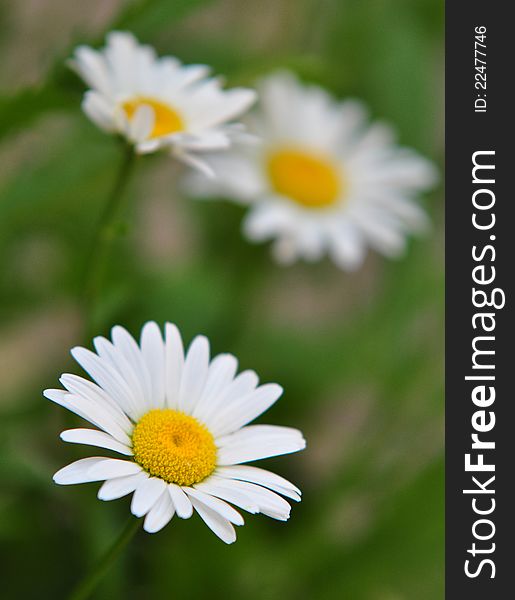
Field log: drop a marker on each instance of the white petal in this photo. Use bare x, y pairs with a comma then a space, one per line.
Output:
382, 233
90, 411
236, 175
132, 402
146, 495
311, 242
181, 502
92, 67
231, 104
246, 409
218, 525
242, 385
83, 388
159, 515
347, 245
268, 219
112, 489
78, 472
210, 486
285, 249
257, 442
174, 364
208, 140
195, 162
153, 350
402, 169
376, 137
109, 379
121, 52
279, 94
121, 357
183, 76
141, 124
92, 437
99, 111
222, 508
353, 116
261, 477
221, 373
410, 214
113, 467
149, 145
269, 503
263, 434
125, 343
194, 374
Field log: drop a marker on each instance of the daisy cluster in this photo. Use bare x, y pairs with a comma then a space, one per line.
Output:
318, 180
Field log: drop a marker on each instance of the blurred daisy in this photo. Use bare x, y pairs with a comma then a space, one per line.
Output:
322, 180
181, 420
156, 102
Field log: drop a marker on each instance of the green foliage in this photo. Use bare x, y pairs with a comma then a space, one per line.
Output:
149, 17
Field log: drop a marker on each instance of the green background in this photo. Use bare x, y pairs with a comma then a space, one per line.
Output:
359, 355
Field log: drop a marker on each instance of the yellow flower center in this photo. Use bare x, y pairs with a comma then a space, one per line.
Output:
311, 180
174, 446
166, 119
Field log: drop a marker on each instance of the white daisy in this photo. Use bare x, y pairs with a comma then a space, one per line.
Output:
181, 421
322, 180
156, 102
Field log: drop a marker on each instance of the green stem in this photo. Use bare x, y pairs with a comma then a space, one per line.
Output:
87, 586
107, 232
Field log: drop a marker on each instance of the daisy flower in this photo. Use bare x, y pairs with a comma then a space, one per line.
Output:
322, 181
155, 102
181, 422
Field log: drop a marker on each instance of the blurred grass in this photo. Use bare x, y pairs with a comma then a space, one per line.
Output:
359, 355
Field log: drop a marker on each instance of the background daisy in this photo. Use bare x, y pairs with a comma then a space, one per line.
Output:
323, 181
183, 421
156, 102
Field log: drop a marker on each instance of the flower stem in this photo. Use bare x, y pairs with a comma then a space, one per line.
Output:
87, 586
107, 232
